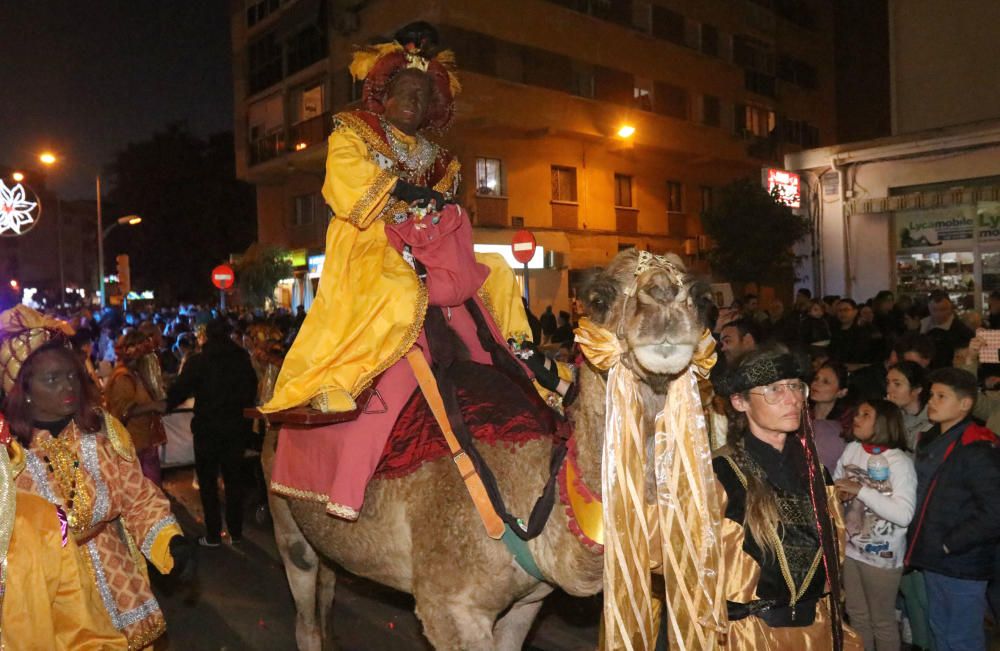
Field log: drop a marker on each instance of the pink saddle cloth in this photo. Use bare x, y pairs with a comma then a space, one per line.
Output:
332, 464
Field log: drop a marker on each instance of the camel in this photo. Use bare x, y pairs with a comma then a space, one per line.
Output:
420, 533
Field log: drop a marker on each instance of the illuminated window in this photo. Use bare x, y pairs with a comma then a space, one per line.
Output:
489, 177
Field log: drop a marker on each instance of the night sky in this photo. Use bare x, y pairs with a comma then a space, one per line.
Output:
85, 78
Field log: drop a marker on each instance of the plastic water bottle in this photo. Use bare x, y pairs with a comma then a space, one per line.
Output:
878, 468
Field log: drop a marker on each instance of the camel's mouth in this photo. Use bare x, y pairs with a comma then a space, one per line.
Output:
664, 359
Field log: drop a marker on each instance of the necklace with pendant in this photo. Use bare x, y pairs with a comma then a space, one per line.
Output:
413, 162
64, 467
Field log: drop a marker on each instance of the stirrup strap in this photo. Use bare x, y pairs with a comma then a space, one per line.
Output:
473, 482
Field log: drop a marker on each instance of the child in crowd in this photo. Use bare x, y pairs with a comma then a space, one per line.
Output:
876, 480
905, 384
954, 538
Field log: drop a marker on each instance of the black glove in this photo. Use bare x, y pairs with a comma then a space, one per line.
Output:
417, 194
545, 370
185, 560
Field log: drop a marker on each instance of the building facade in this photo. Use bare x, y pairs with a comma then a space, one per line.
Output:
918, 210
713, 89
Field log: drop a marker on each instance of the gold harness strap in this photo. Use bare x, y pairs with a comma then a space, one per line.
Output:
473, 482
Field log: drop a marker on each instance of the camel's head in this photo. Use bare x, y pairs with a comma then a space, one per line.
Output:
652, 304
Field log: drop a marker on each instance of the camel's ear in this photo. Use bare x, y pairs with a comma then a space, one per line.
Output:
739, 403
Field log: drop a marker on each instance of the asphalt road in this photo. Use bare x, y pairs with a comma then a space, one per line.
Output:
241, 600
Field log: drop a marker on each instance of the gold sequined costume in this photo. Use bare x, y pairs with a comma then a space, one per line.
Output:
117, 517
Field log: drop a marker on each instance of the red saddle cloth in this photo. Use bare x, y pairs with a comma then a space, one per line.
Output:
496, 411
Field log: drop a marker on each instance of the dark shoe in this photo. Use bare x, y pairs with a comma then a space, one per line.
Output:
205, 542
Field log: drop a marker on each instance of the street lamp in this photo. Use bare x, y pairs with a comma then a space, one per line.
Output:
48, 159
626, 131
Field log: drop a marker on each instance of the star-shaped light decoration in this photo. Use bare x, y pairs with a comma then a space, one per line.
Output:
16, 212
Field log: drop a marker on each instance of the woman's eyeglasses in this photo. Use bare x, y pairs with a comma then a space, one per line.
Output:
775, 393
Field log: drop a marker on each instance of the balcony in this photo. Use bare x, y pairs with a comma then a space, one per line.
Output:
268, 147
491, 211
310, 132
564, 215
626, 220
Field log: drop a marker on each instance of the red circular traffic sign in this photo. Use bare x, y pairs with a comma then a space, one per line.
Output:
223, 276
523, 246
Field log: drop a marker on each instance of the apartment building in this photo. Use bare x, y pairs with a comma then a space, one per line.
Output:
917, 210
712, 90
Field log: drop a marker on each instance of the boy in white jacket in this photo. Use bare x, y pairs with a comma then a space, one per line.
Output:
876, 480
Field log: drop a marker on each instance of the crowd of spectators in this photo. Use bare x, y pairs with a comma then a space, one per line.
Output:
904, 417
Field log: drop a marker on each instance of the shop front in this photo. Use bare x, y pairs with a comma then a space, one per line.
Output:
956, 249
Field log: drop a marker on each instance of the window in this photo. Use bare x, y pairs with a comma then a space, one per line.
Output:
489, 177
623, 191
258, 10
563, 183
582, 83
760, 83
800, 132
706, 198
264, 57
797, 72
308, 209
753, 54
674, 198
305, 48
755, 120
709, 40
642, 94
548, 70
670, 100
307, 103
668, 25
711, 111
476, 52
613, 86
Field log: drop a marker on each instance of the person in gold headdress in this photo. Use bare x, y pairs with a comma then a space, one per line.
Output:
80, 458
783, 532
382, 171
44, 594
130, 399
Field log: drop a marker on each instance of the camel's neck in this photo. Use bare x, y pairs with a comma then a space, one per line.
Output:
587, 417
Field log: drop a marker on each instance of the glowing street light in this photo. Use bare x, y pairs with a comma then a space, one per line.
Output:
626, 131
17, 176
299, 146
47, 158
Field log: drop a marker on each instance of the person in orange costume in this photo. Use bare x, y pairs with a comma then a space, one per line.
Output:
80, 458
44, 593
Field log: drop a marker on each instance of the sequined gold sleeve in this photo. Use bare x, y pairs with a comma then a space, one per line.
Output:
355, 187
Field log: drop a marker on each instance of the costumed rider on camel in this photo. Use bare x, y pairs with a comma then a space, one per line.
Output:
783, 532
398, 250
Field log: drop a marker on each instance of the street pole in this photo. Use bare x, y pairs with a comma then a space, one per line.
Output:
527, 291
100, 244
59, 239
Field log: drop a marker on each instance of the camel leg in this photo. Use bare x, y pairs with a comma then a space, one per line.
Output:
327, 588
452, 624
299, 558
511, 629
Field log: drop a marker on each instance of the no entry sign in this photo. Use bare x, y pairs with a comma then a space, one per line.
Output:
223, 276
523, 246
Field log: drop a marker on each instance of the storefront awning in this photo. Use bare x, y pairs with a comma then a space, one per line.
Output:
924, 200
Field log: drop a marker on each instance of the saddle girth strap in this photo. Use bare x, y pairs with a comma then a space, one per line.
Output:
473, 482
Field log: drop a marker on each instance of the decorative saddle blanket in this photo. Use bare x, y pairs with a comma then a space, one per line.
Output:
396, 433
